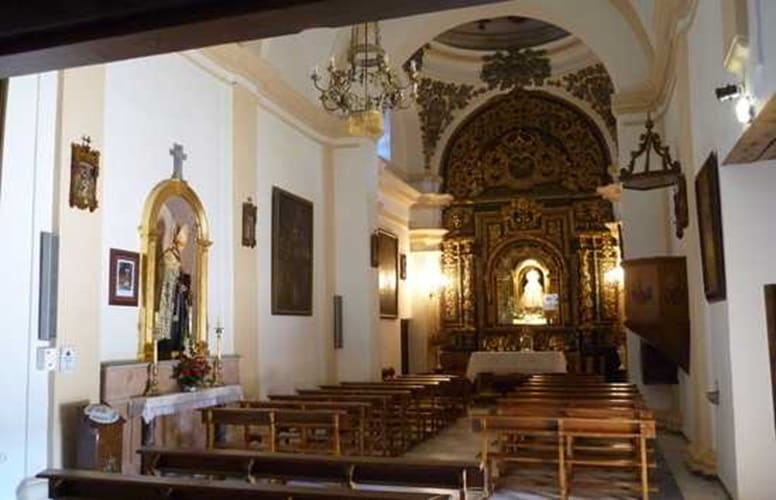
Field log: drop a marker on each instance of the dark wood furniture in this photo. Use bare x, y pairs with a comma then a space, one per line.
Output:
457, 475
92, 485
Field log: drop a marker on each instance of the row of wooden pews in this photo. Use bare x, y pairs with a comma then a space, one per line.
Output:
315, 444
570, 433
351, 418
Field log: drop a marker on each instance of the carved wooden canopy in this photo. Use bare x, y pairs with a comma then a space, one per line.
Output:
526, 140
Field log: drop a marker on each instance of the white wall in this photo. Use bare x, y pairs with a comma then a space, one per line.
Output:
26, 209
355, 188
750, 245
292, 349
149, 104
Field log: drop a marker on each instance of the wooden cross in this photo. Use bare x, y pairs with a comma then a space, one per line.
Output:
178, 158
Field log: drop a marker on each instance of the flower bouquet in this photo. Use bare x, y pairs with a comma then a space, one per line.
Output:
190, 372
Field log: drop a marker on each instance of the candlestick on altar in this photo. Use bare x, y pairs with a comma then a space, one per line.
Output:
152, 387
218, 375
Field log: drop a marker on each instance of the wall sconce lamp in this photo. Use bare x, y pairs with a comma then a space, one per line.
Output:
615, 275
668, 174
744, 101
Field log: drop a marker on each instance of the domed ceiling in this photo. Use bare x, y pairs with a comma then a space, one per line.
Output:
501, 33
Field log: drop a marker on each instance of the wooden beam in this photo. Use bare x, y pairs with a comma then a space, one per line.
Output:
40, 35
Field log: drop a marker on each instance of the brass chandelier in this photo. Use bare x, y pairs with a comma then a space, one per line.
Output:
367, 86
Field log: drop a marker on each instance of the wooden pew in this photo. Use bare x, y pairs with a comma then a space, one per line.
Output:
353, 425
427, 410
396, 417
567, 444
457, 475
295, 428
530, 441
597, 443
93, 485
377, 441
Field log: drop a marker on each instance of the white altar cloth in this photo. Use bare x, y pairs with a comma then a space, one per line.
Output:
169, 404
505, 362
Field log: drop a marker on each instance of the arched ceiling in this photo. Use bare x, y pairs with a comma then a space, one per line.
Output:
612, 29
501, 33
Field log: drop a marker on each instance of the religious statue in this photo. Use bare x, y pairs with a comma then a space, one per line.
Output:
528, 290
173, 326
533, 292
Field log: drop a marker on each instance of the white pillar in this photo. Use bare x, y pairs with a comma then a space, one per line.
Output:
355, 189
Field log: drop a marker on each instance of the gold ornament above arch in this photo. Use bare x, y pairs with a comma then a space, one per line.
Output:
525, 141
169, 199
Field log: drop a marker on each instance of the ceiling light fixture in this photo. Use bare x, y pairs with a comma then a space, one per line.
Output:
668, 173
728, 92
745, 108
367, 86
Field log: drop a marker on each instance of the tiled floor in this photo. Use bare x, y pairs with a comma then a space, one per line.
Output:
458, 442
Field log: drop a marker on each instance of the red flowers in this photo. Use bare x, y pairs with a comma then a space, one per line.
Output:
191, 370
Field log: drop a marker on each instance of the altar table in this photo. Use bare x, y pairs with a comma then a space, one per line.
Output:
527, 362
152, 407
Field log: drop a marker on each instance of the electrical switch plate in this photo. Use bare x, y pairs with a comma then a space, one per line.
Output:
47, 358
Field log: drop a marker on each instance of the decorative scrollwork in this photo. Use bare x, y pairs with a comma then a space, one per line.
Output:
594, 86
515, 68
522, 214
592, 214
437, 101
457, 218
526, 141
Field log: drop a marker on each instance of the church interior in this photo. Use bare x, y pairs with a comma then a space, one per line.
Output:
429, 249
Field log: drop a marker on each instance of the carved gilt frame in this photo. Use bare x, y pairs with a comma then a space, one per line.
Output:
148, 240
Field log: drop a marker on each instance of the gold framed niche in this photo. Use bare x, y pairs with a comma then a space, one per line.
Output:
507, 270
172, 204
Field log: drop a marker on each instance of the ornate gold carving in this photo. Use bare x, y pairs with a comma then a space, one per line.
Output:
515, 68
84, 170
457, 218
526, 141
608, 257
522, 214
592, 214
437, 101
594, 86
586, 295
458, 304
450, 304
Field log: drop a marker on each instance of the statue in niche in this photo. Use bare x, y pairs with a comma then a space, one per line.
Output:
173, 328
533, 292
528, 291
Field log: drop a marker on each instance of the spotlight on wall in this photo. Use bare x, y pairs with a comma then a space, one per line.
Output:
615, 276
728, 92
745, 108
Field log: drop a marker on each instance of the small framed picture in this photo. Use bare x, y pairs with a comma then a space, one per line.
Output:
403, 266
249, 223
124, 278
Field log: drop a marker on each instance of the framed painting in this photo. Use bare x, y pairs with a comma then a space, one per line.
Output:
292, 254
388, 273
84, 170
249, 224
707, 201
124, 278
770, 318
3, 102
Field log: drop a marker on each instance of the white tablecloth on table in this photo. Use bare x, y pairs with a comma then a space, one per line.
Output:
169, 404
528, 362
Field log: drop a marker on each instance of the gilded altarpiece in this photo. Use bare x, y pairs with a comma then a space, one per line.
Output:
529, 243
